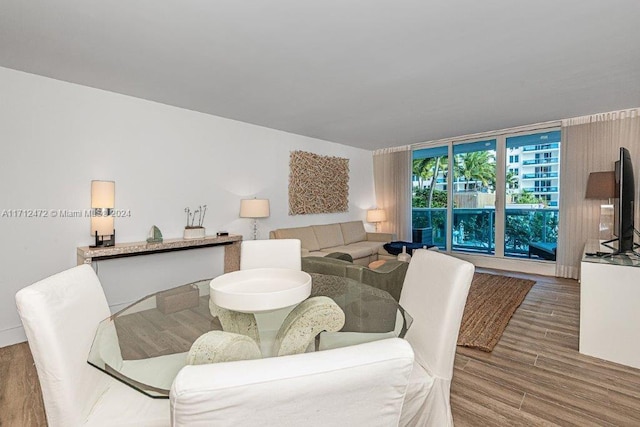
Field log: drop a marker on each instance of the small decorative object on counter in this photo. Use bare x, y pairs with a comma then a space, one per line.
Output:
193, 229
155, 235
404, 256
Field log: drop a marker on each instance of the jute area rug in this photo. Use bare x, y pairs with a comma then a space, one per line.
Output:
491, 302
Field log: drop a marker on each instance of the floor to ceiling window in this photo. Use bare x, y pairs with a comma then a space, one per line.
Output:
474, 196
430, 196
532, 192
495, 196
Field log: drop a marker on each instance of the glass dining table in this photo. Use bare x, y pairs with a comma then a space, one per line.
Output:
146, 344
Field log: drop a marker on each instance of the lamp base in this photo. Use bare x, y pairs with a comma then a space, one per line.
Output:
104, 241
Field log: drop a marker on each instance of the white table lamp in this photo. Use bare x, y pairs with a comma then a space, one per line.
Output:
103, 197
376, 216
254, 208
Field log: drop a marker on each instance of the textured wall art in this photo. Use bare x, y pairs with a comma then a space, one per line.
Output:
317, 184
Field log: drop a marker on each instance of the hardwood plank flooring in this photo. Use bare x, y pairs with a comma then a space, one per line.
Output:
537, 358
20, 395
534, 376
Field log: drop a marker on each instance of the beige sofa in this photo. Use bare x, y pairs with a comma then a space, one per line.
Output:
348, 237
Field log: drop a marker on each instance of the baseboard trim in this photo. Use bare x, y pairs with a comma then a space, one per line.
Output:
542, 268
16, 335
12, 336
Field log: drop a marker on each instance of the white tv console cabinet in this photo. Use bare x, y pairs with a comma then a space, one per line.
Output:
610, 306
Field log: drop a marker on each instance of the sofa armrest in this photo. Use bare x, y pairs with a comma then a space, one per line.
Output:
381, 237
304, 252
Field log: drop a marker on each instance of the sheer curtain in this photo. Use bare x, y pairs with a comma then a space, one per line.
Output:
392, 180
589, 144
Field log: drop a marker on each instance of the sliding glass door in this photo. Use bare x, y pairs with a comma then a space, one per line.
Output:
474, 197
532, 193
430, 197
495, 196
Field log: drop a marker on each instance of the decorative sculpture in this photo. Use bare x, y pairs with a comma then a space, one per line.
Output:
191, 230
155, 235
220, 346
236, 322
308, 319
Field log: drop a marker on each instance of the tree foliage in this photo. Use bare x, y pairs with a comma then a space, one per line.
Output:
478, 169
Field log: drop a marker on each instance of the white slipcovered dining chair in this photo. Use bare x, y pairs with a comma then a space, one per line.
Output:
272, 253
434, 293
362, 385
60, 315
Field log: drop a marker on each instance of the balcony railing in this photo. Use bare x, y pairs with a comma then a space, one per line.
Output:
434, 218
541, 147
474, 229
540, 161
524, 226
541, 189
540, 175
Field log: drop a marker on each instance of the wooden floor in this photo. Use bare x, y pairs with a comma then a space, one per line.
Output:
534, 376
20, 396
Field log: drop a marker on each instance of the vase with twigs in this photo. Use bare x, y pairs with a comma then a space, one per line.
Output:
194, 228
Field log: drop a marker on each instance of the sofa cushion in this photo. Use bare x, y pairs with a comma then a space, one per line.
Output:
353, 250
353, 231
328, 235
374, 247
305, 234
318, 253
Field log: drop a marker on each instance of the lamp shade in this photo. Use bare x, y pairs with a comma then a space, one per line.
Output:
254, 208
376, 215
103, 194
601, 185
103, 197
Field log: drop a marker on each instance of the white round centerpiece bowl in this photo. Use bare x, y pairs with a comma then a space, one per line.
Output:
260, 289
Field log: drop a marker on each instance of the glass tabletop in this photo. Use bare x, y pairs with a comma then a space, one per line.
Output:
146, 344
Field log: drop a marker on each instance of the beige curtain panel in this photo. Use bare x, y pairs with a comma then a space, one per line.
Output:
589, 144
392, 179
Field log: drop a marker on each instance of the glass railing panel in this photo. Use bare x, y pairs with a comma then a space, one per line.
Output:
429, 226
474, 230
540, 175
540, 147
541, 189
524, 227
540, 161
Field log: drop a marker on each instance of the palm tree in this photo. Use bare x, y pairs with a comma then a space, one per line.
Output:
421, 169
440, 164
512, 180
477, 166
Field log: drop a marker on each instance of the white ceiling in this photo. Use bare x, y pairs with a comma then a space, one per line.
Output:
366, 73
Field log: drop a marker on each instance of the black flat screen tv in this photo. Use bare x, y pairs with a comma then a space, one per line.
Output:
624, 204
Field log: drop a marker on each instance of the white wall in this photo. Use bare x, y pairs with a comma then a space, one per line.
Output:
55, 137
